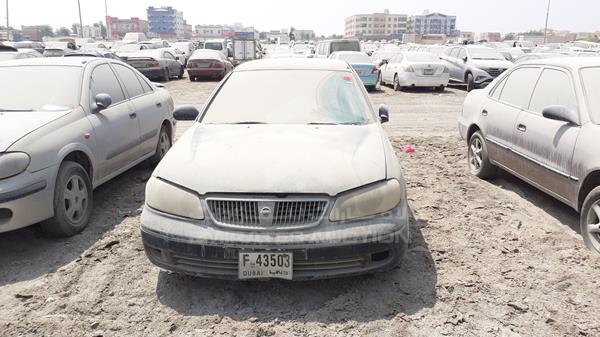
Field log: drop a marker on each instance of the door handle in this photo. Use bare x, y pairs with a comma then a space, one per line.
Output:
159, 104
522, 127
484, 112
132, 115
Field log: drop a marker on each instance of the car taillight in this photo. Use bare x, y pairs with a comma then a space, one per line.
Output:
217, 65
153, 65
408, 69
190, 65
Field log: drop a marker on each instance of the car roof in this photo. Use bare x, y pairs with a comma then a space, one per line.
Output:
567, 62
294, 64
349, 53
51, 61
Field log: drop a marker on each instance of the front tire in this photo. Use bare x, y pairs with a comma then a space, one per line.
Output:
73, 201
470, 82
162, 146
478, 156
590, 220
397, 86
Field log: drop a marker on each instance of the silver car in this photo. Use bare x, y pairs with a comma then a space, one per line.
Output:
68, 125
294, 178
475, 66
541, 122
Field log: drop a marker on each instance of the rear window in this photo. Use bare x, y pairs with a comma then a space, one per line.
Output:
591, 85
289, 97
344, 46
213, 45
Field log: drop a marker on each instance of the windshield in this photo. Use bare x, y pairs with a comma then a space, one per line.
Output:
421, 57
355, 58
345, 46
591, 84
485, 54
213, 45
19, 92
289, 97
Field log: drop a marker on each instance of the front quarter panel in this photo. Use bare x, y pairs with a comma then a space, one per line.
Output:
470, 112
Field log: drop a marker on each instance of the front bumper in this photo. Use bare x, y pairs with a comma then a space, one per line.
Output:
26, 199
205, 251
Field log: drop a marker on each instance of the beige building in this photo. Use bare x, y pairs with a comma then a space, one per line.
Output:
376, 26
489, 37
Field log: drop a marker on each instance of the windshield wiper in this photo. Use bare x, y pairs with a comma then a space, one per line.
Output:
323, 123
15, 110
248, 123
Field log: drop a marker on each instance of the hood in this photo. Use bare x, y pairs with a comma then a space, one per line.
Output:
323, 159
486, 64
15, 125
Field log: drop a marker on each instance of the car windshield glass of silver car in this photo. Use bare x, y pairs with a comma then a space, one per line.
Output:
213, 45
35, 88
345, 46
591, 84
485, 54
289, 97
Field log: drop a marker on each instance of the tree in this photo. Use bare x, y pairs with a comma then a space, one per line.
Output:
509, 36
75, 29
262, 35
102, 29
45, 30
63, 31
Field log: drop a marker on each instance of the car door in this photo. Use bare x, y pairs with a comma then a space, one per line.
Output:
393, 67
147, 105
116, 128
545, 145
450, 63
172, 63
460, 65
501, 110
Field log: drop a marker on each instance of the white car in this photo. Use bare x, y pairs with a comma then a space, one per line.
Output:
68, 125
294, 178
415, 69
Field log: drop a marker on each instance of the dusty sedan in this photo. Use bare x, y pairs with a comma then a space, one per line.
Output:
156, 64
364, 67
541, 122
208, 63
304, 186
58, 142
415, 69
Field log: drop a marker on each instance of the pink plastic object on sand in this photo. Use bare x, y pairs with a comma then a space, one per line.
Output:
408, 149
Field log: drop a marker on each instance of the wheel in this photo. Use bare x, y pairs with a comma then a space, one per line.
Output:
470, 82
166, 75
370, 88
590, 220
397, 86
479, 162
72, 201
180, 76
192, 79
162, 147
440, 89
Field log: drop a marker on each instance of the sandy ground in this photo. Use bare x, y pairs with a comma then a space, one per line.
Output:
491, 258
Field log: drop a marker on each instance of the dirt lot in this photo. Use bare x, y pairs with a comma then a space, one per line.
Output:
491, 258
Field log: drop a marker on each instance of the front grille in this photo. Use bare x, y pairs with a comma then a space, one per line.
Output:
495, 72
266, 214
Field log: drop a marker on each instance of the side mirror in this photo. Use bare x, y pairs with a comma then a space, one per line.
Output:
102, 101
465, 59
186, 113
560, 113
384, 113
158, 85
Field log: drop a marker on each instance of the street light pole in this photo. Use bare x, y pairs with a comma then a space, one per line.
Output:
7, 23
108, 35
80, 21
546, 27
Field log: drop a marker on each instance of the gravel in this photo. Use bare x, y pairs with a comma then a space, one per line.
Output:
487, 258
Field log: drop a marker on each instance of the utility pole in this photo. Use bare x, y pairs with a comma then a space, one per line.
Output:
7, 23
546, 27
108, 35
80, 21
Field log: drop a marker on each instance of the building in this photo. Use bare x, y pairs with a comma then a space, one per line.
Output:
466, 36
33, 33
166, 22
117, 28
424, 39
489, 37
377, 26
304, 34
434, 23
92, 32
204, 32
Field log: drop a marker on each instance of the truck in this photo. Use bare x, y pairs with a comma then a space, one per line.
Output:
244, 47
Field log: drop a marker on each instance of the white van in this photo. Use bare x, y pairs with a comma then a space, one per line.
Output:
325, 48
218, 45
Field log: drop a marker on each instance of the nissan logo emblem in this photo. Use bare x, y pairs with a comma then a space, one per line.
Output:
265, 211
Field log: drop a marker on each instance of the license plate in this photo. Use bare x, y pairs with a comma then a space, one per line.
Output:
258, 265
428, 72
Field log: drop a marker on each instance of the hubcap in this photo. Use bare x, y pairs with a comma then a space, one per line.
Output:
164, 144
476, 154
593, 225
75, 198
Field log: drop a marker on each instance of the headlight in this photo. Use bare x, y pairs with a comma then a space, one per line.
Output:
167, 198
366, 201
13, 163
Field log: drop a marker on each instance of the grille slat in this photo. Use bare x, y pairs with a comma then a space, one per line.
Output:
287, 213
495, 72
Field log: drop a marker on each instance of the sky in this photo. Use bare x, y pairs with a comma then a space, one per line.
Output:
325, 17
